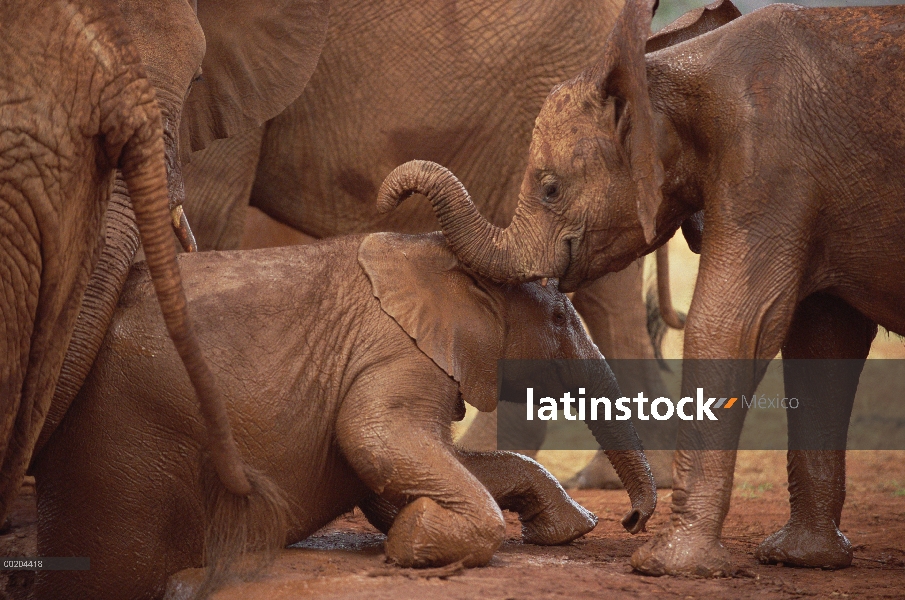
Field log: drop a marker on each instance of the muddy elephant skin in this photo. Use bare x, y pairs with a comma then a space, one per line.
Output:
786, 128
91, 94
218, 68
349, 410
459, 83
75, 105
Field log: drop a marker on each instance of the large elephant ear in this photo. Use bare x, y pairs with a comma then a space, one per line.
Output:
422, 286
622, 77
259, 58
692, 24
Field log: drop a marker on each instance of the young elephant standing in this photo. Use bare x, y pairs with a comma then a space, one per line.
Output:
786, 127
352, 358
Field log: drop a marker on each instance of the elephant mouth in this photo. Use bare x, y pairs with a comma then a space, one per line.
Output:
570, 279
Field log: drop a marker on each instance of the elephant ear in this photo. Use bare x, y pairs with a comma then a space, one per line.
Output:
259, 58
692, 24
622, 77
422, 286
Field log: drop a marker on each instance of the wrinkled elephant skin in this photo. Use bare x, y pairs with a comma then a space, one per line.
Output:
75, 105
456, 83
784, 129
343, 411
82, 97
208, 66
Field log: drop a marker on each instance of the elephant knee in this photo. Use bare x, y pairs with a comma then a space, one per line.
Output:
425, 534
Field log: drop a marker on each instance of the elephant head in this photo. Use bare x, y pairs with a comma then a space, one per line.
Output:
465, 323
590, 200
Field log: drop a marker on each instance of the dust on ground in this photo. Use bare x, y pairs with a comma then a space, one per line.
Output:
345, 559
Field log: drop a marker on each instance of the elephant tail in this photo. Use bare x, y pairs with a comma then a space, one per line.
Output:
668, 313
246, 512
661, 315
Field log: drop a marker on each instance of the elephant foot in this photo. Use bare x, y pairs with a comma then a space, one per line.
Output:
798, 546
678, 551
559, 524
425, 534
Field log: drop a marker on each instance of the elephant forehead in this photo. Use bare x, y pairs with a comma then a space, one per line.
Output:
568, 125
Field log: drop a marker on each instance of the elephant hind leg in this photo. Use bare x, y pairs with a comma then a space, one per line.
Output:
824, 327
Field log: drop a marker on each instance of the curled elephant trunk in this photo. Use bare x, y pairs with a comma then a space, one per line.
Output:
481, 246
626, 455
634, 473
664, 296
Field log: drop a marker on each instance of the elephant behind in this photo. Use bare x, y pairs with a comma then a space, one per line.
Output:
350, 360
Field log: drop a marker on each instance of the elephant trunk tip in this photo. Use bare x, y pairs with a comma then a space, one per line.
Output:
634, 521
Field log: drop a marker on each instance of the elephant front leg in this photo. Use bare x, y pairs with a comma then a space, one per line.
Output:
397, 448
824, 327
548, 514
738, 312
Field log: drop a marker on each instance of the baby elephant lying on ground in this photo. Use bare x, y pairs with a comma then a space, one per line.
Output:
344, 364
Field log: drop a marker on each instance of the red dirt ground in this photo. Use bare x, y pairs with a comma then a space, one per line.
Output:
345, 559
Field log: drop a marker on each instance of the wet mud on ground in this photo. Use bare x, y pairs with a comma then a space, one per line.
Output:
345, 559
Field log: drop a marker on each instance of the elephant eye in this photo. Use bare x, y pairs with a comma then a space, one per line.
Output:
551, 190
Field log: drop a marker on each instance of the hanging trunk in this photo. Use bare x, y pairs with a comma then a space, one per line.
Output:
145, 175
484, 248
106, 285
623, 448
245, 510
98, 304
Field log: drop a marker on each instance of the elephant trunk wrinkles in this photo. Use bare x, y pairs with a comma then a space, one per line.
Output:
627, 458
98, 305
245, 510
481, 246
635, 475
145, 175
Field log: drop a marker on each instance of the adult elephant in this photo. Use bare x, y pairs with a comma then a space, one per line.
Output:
459, 83
786, 128
89, 87
75, 105
218, 69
